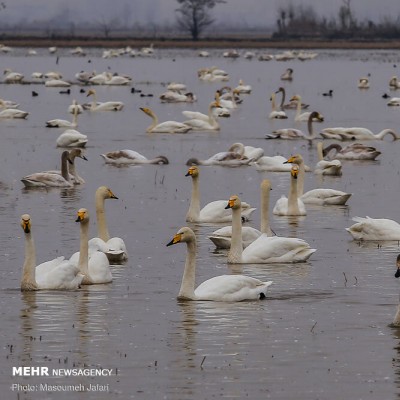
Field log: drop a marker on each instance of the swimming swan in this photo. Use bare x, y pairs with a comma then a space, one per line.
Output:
72, 138
199, 123
219, 288
355, 151
363, 83
324, 167
131, 157
274, 114
212, 212
265, 249
102, 106
55, 274
292, 105
287, 75
62, 123
374, 229
10, 113
164, 127
300, 117
356, 133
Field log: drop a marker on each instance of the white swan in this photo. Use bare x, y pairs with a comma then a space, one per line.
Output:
102, 106
274, 114
12, 76
55, 274
72, 138
363, 83
356, 133
164, 127
199, 123
10, 113
212, 74
291, 205
301, 117
96, 267
57, 83
62, 123
114, 247
131, 157
265, 249
52, 75
316, 196
287, 75
8, 104
51, 179
355, 151
274, 164
117, 80
171, 96
250, 152
394, 101
230, 158
324, 167
242, 88
219, 288
222, 237
292, 105
292, 133
374, 229
212, 212
394, 82
226, 97
176, 86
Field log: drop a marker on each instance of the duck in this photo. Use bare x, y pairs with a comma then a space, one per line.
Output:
171, 96
203, 122
93, 265
363, 83
222, 237
131, 157
329, 93
320, 196
357, 133
213, 212
291, 205
354, 151
274, 114
220, 288
265, 249
51, 179
57, 274
293, 133
327, 167
101, 106
62, 123
374, 229
287, 75
301, 117
292, 105
72, 138
242, 88
164, 127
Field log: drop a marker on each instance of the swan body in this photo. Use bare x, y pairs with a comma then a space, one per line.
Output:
275, 114
224, 158
355, 151
52, 75
265, 249
287, 75
300, 117
72, 138
96, 268
394, 82
56, 83
75, 108
374, 229
394, 101
356, 133
176, 86
62, 123
164, 127
201, 124
128, 157
55, 274
176, 97
10, 113
292, 105
363, 83
212, 74
242, 88
213, 212
13, 77
117, 80
219, 288
274, 164
324, 167
102, 106
8, 104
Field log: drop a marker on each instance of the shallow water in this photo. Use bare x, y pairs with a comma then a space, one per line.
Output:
323, 330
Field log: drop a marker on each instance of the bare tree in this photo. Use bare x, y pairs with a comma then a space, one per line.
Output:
107, 25
194, 15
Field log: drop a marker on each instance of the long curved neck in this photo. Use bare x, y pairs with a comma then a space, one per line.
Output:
72, 170
283, 99
265, 228
320, 152
189, 274
28, 281
333, 146
83, 264
235, 252
75, 116
211, 118
64, 166
102, 229
154, 123
94, 102
293, 206
385, 132
273, 105
298, 108
193, 213
311, 134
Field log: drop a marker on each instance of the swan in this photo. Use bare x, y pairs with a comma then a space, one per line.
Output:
200, 123
102, 106
250, 152
53, 75
51, 179
131, 157
356, 133
227, 99
176, 86
300, 117
203, 53
274, 164
292, 133
75, 107
176, 97
212, 212
71, 138
224, 158
394, 101
287, 75
212, 74
55, 274
355, 151
291, 205
242, 88
57, 83
218, 288
316, 196
8, 104
52, 49
324, 167
164, 127
10, 113
77, 51
12, 77
289, 106
394, 83
96, 267
363, 83
98, 79
374, 229
117, 80
62, 123
84, 76
274, 114
265, 249
222, 237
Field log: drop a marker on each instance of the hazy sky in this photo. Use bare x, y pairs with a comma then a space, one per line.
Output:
242, 12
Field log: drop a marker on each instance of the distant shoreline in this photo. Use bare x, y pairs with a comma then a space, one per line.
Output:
256, 43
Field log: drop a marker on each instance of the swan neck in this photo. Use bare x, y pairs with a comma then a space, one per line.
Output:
28, 281
235, 252
293, 206
265, 228
211, 118
300, 179
84, 249
154, 123
283, 99
188, 279
64, 166
102, 229
273, 105
298, 108
193, 213
320, 152
310, 128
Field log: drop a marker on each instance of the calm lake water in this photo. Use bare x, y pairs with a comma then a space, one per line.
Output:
323, 331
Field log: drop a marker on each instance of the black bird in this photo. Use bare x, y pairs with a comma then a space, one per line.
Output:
68, 91
330, 93
34, 94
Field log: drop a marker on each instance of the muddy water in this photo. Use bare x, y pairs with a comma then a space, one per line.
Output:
323, 331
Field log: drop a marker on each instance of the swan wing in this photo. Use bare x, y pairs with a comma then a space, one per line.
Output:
195, 115
216, 212
287, 133
325, 197
374, 229
124, 157
198, 124
59, 123
71, 138
222, 237
44, 179
171, 127
60, 275
99, 268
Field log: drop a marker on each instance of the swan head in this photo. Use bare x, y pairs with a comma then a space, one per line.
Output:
162, 160
193, 161
234, 202
295, 159
82, 215
26, 223
316, 115
147, 111
90, 92
184, 234
280, 90
296, 97
193, 172
105, 193
77, 152
294, 171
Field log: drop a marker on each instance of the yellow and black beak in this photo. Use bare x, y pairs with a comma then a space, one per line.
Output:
190, 172
26, 226
289, 160
177, 238
80, 217
230, 204
112, 195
